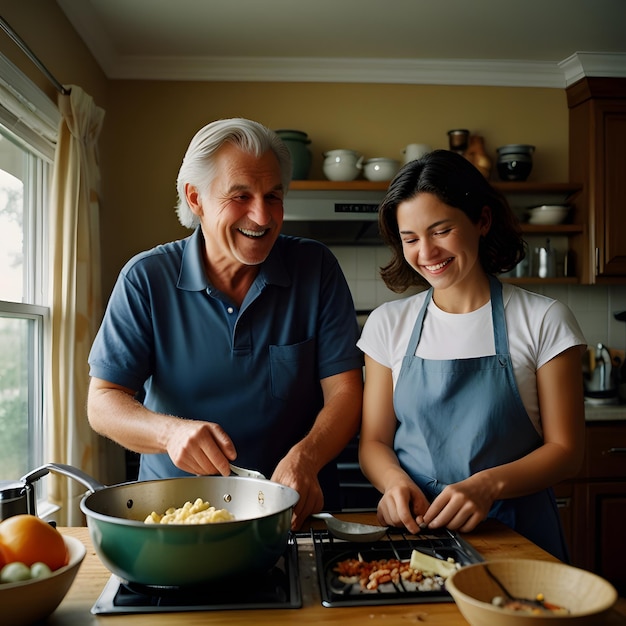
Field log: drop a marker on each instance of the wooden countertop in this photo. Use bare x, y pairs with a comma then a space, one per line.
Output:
491, 539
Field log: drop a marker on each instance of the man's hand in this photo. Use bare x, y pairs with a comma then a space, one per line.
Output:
194, 446
295, 472
200, 448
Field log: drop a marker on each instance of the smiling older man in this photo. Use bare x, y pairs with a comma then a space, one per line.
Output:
236, 342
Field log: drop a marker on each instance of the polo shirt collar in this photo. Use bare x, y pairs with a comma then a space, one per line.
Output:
192, 276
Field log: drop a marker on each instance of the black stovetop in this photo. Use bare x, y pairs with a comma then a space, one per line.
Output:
280, 587
277, 589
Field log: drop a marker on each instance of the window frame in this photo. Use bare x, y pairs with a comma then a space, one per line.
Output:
39, 334
32, 121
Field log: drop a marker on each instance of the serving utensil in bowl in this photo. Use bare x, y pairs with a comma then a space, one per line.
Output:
586, 596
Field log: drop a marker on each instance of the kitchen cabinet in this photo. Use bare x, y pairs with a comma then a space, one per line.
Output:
597, 158
520, 195
593, 505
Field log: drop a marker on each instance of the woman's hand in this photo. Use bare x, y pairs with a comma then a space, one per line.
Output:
401, 505
461, 506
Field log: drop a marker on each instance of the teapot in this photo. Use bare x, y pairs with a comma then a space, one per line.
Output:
342, 164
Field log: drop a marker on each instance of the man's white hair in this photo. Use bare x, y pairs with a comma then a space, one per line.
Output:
198, 166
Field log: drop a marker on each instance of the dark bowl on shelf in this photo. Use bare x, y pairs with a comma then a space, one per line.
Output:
515, 161
514, 169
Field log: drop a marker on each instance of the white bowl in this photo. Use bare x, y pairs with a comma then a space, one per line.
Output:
380, 169
342, 165
341, 171
30, 601
587, 597
548, 214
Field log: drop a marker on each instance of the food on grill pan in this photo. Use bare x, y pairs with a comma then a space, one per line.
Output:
422, 572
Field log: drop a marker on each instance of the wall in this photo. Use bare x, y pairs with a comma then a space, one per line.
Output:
148, 125
46, 31
151, 123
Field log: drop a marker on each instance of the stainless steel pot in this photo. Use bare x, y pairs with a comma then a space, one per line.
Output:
16, 499
180, 555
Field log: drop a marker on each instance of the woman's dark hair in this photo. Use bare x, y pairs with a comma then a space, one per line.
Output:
457, 183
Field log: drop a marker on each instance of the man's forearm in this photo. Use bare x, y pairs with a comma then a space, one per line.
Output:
115, 413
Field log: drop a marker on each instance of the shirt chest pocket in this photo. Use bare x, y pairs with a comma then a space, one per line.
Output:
293, 370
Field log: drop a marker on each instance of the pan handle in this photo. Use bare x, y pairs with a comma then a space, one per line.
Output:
67, 470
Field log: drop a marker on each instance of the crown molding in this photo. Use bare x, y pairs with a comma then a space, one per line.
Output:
583, 64
497, 73
338, 70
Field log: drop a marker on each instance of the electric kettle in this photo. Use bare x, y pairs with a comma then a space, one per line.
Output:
600, 386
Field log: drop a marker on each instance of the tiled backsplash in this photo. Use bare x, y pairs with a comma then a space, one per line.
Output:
593, 306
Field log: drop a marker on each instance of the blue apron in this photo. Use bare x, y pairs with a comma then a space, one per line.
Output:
458, 417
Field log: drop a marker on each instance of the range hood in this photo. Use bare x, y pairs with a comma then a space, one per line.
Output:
334, 217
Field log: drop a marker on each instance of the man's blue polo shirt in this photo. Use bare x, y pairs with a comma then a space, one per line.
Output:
188, 351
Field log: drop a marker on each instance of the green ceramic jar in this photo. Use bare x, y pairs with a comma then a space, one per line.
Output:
297, 142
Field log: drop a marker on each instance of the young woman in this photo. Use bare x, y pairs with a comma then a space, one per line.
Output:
473, 401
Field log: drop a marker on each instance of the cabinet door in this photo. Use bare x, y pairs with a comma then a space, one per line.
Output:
608, 511
597, 158
610, 202
565, 503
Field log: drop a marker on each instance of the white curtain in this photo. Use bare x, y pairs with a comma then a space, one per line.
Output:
75, 296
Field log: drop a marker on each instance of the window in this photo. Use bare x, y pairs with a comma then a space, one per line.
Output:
26, 156
23, 178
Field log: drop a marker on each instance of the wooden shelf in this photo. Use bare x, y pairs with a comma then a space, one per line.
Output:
331, 185
552, 229
564, 189
521, 196
535, 280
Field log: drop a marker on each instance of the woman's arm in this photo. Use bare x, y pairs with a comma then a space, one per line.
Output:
402, 500
561, 404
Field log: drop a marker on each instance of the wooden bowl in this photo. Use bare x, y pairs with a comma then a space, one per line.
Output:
30, 601
587, 597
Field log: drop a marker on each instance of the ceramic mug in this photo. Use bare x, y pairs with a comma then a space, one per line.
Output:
415, 151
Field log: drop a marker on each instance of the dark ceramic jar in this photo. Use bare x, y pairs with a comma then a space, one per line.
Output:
515, 162
297, 142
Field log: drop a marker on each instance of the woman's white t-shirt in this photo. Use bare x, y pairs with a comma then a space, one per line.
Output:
538, 328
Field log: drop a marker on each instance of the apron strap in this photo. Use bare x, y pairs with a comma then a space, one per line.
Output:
500, 337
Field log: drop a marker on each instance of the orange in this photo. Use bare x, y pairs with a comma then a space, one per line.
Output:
28, 539
3, 559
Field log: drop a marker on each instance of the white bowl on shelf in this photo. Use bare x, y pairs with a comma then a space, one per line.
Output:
380, 169
548, 214
342, 165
